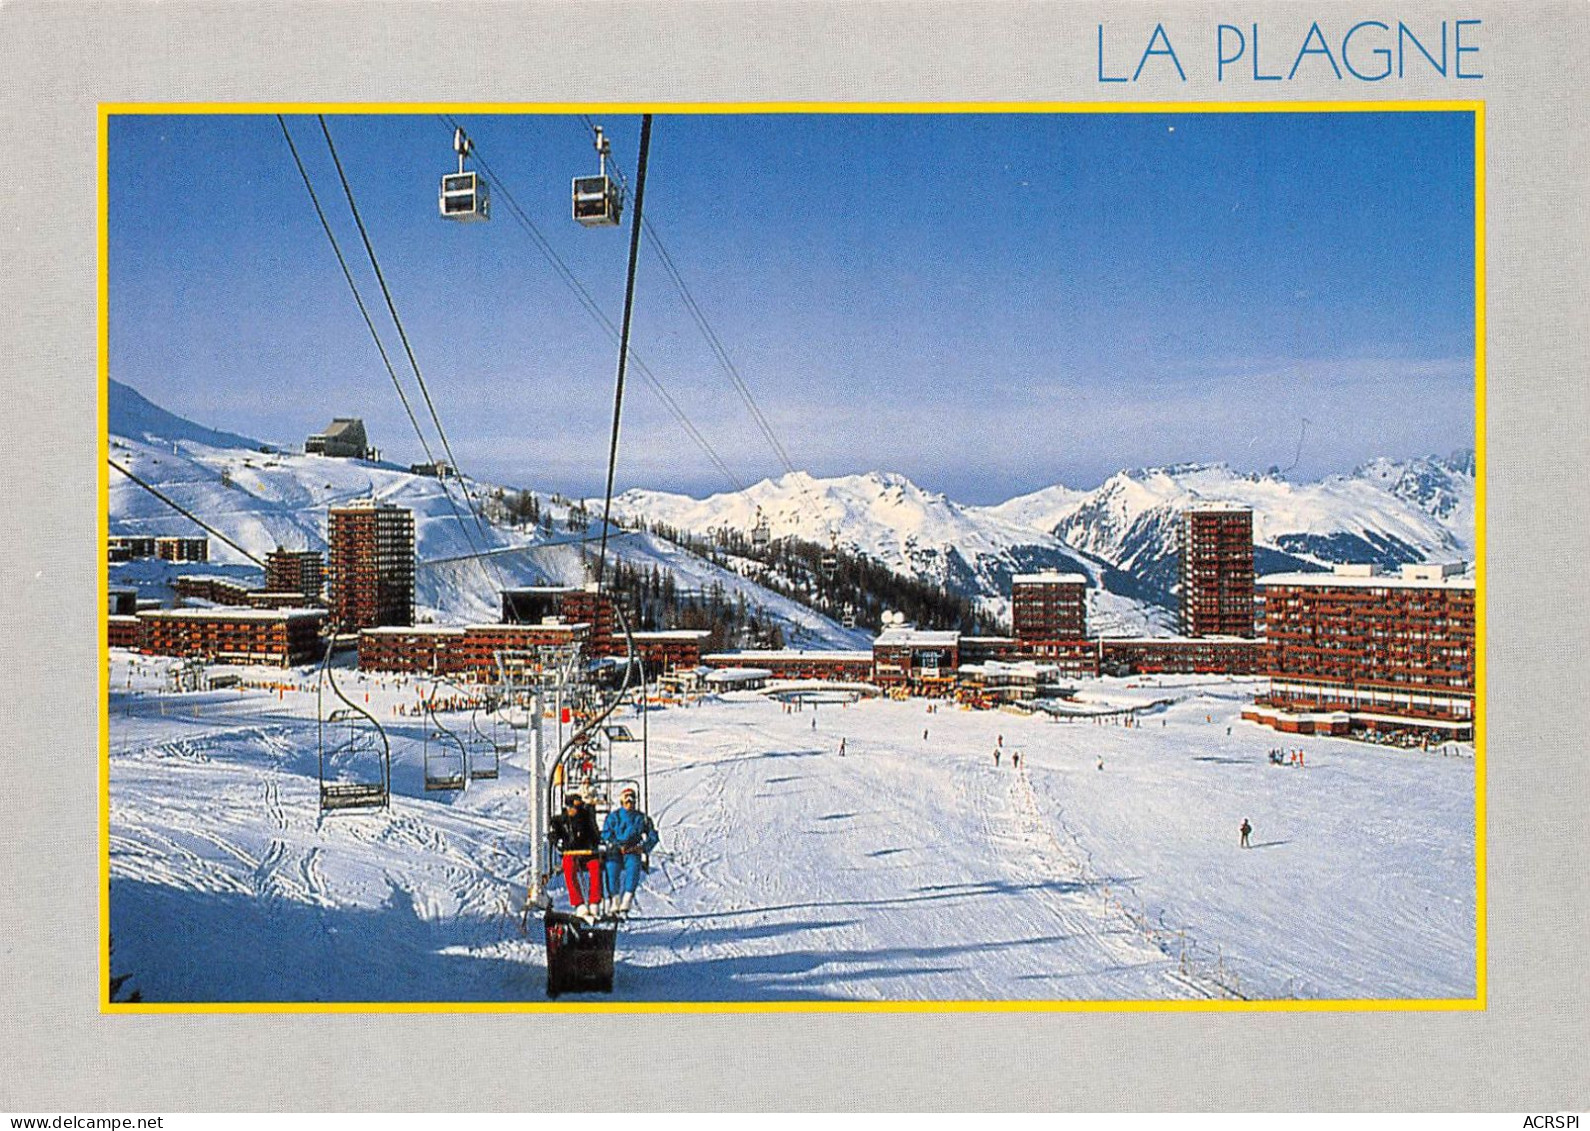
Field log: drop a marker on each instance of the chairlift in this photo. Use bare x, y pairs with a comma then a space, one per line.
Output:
761, 533
485, 751
445, 760
830, 559
598, 201
849, 619
354, 759
464, 195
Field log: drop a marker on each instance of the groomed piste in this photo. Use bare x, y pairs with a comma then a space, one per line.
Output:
1105, 867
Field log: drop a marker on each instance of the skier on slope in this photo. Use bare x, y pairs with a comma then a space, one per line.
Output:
628, 836
574, 835
1245, 830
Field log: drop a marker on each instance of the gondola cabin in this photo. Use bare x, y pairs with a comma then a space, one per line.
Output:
464, 196
597, 203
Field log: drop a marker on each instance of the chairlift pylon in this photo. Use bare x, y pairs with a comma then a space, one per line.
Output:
464, 195
598, 201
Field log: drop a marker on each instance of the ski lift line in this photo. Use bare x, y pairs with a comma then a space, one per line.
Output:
180, 509
595, 311
386, 360
354, 287
408, 349
716, 345
602, 319
1297, 456
623, 345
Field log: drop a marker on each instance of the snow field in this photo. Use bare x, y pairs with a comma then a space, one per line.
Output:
910, 869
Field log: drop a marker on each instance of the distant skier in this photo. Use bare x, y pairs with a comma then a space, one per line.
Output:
574, 835
996, 756
814, 722
841, 748
1101, 761
629, 836
1245, 831
924, 734
1015, 759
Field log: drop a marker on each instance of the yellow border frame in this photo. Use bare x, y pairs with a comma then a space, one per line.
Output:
1369, 1005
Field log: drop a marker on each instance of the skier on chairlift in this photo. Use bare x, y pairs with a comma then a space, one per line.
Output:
574, 834
628, 837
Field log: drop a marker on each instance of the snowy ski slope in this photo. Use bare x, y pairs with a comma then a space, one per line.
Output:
911, 869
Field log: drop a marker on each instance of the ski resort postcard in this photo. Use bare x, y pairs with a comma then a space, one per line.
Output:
804, 557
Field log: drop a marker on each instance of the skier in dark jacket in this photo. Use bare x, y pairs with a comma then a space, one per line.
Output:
629, 836
1245, 830
574, 834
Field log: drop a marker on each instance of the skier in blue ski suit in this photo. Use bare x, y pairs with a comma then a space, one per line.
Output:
627, 835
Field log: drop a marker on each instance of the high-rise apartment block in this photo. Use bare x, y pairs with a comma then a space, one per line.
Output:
296, 571
1391, 653
1048, 606
370, 565
1217, 571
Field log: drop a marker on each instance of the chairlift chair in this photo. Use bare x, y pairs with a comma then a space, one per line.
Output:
445, 760
464, 194
761, 533
485, 752
598, 202
354, 766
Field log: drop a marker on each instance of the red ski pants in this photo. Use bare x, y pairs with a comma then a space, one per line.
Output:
571, 879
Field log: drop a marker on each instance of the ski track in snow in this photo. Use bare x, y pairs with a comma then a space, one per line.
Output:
910, 869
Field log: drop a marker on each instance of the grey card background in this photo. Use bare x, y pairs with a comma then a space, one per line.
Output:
57, 61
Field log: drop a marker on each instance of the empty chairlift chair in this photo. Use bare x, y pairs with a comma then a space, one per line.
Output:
354, 759
446, 762
485, 750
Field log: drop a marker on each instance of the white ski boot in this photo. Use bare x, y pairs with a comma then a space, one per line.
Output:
586, 913
625, 902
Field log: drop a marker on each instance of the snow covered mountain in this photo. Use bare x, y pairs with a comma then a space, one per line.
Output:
1122, 535
262, 497
913, 531
1386, 512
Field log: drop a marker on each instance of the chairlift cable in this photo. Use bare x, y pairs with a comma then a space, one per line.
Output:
180, 509
419, 377
623, 344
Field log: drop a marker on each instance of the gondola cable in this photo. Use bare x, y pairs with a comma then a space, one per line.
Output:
572, 282
408, 349
375, 336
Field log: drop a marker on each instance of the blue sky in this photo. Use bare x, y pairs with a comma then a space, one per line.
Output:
988, 304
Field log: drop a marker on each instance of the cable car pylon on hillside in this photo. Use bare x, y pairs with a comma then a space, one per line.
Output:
464, 195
